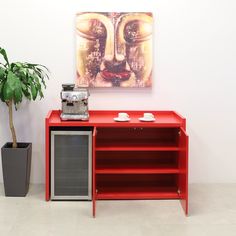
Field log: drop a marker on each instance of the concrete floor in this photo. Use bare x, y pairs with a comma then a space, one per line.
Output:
212, 212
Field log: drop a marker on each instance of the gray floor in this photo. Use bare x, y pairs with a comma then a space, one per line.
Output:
212, 212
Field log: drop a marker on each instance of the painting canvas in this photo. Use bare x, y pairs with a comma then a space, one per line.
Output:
114, 49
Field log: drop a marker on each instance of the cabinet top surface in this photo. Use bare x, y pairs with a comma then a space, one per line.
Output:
103, 118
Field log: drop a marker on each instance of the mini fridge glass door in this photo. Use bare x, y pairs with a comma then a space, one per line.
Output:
71, 156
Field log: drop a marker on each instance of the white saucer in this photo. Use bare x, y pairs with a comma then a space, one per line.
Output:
145, 119
121, 119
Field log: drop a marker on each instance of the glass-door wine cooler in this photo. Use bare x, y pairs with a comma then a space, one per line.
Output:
71, 160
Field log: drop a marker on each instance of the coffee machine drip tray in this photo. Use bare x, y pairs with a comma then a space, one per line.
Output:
74, 116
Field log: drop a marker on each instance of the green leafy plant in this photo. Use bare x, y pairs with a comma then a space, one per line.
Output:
19, 80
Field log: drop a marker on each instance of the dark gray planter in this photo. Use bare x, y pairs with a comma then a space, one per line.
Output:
16, 165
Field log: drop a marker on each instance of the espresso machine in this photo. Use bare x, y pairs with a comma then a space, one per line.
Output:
74, 103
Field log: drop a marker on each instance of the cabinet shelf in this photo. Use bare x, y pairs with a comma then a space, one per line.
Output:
138, 167
137, 163
139, 148
136, 186
129, 139
138, 171
137, 193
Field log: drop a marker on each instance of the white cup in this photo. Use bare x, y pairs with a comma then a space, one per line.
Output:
148, 116
123, 116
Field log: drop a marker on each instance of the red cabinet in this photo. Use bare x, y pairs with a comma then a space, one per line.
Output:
134, 160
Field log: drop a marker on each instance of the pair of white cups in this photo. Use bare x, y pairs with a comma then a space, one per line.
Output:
125, 116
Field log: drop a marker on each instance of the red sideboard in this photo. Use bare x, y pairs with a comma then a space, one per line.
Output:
135, 159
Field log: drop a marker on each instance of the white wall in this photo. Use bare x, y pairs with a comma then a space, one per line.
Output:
194, 72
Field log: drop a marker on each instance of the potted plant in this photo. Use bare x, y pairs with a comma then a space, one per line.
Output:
18, 80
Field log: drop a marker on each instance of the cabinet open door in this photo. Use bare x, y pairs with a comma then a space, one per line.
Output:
94, 171
183, 167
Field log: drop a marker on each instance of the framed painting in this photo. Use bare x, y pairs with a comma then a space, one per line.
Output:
114, 49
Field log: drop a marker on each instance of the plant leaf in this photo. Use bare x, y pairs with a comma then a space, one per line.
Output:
13, 80
2, 73
18, 95
1, 90
23, 86
33, 91
12, 89
4, 54
7, 92
26, 93
41, 76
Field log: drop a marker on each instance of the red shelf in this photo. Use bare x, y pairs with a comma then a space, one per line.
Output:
138, 171
135, 148
136, 186
166, 157
110, 193
137, 163
137, 139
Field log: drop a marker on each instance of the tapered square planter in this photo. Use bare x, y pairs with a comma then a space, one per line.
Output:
16, 165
